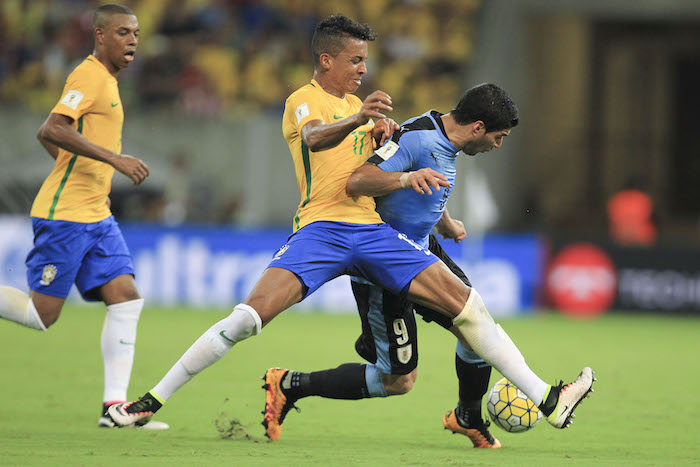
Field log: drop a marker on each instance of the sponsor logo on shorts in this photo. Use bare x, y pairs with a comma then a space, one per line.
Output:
48, 274
280, 252
404, 353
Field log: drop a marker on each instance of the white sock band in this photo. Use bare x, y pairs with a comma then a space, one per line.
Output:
118, 347
211, 346
16, 306
492, 344
32, 318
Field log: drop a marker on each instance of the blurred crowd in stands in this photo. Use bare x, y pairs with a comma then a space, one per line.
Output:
226, 58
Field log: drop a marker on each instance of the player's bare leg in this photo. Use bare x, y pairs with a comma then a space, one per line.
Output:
276, 290
36, 310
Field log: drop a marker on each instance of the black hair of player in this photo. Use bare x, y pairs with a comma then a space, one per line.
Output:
488, 103
331, 32
104, 12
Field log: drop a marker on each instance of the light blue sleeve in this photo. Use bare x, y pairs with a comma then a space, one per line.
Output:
400, 156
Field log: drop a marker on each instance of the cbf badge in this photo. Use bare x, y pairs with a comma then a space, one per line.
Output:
48, 274
280, 252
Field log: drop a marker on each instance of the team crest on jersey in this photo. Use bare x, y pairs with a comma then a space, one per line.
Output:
48, 274
280, 252
404, 353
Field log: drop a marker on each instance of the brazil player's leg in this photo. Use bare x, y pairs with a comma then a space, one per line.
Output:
107, 274
472, 326
323, 250
389, 342
94, 256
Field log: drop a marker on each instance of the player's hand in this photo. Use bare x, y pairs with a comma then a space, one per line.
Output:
424, 179
374, 106
383, 129
134, 168
108, 202
452, 229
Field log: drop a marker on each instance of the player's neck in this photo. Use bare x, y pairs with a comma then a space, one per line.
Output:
455, 132
111, 69
327, 85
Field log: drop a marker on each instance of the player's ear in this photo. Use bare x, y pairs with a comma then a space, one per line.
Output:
99, 35
325, 61
478, 127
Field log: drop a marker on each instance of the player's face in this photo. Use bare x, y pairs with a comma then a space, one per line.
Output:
348, 67
119, 40
486, 141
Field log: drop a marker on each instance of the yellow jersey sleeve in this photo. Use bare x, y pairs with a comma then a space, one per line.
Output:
76, 190
322, 175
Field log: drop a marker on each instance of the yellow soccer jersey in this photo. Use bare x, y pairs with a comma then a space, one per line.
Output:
322, 175
77, 188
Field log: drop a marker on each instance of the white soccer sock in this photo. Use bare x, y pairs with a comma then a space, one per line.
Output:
492, 344
118, 347
16, 306
211, 346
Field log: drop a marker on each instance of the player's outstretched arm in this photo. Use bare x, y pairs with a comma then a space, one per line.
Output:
319, 136
58, 131
370, 180
451, 228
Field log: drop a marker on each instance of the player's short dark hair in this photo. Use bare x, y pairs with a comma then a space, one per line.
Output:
488, 103
104, 12
332, 31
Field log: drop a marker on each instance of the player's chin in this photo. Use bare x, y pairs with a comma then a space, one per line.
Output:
125, 60
353, 85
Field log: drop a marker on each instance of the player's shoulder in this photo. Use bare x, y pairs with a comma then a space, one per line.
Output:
305, 92
424, 121
88, 72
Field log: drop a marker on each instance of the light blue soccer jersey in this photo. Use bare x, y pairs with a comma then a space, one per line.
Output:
421, 142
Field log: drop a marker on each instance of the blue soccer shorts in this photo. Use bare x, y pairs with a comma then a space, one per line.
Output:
389, 336
87, 254
324, 250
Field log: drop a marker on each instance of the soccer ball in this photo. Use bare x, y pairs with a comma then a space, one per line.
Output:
510, 408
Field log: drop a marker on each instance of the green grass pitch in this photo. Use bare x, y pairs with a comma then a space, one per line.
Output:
645, 409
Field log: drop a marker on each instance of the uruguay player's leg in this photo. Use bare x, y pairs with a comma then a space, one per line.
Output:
473, 375
388, 342
472, 372
384, 259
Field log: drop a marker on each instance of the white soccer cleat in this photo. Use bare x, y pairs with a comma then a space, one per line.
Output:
121, 415
106, 422
570, 396
153, 425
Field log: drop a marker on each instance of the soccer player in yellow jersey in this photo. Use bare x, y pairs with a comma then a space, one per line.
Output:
329, 134
76, 239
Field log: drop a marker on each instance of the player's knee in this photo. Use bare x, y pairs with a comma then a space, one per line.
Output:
242, 323
48, 317
401, 384
48, 312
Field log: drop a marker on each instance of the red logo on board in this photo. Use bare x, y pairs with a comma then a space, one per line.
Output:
581, 280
